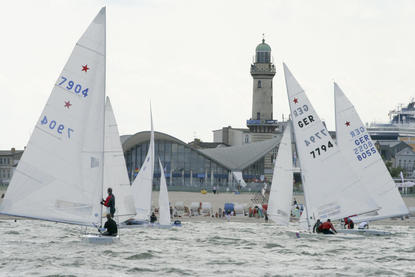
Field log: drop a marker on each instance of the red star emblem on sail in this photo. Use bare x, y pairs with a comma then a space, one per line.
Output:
295, 100
85, 68
347, 123
67, 104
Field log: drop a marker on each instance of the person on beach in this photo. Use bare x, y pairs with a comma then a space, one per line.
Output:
316, 226
214, 190
109, 202
111, 227
153, 218
327, 228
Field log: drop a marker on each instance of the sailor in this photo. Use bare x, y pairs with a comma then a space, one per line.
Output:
327, 228
111, 227
153, 218
363, 225
349, 222
316, 226
109, 202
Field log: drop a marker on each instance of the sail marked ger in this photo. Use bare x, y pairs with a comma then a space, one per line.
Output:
354, 141
332, 189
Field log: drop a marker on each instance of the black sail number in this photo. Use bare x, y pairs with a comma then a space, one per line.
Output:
321, 149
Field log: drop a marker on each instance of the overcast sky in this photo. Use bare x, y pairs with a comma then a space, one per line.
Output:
192, 59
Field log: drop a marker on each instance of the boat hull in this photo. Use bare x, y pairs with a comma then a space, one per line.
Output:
366, 232
99, 239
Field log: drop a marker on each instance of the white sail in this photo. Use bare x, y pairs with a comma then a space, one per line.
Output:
115, 170
60, 174
331, 188
143, 183
279, 203
239, 179
358, 148
164, 207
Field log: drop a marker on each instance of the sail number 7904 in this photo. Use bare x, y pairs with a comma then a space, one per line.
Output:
71, 86
60, 128
321, 149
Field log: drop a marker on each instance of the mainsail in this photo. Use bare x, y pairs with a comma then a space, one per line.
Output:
60, 175
360, 151
164, 207
279, 203
143, 183
115, 170
331, 188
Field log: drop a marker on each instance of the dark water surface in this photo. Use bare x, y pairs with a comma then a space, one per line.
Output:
36, 248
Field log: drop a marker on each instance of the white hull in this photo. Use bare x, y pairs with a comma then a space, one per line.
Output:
148, 225
366, 232
99, 239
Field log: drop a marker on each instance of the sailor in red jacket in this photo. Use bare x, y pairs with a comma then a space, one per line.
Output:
109, 202
327, 227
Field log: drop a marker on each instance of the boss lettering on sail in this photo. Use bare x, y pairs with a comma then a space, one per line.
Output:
72, 86
59, 128
364, 148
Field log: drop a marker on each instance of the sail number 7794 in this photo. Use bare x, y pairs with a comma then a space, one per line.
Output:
321, 149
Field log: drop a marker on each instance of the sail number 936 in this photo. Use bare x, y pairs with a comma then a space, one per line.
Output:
321, 149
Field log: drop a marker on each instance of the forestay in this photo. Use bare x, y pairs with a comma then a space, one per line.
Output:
359, 150
332, 190
60, 174
164, 207
143, 183
115, 170
279, 203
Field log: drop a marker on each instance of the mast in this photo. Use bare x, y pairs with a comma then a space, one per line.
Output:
103, 122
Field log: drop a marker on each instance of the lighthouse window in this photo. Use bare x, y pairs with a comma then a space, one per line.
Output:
259, 84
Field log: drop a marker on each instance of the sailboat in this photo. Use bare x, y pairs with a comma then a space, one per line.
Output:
331, 188
164, 206
279, 203
115, 169
142, 188
60, 175
362, 154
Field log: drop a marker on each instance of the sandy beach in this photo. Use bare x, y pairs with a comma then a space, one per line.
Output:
218, 201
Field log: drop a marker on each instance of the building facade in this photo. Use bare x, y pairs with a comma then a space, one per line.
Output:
8, 162
188, 167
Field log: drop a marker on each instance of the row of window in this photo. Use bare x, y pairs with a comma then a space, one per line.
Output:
5, 173
409, 165
184, 166
4, 160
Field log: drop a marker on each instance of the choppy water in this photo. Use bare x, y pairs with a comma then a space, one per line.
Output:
35, 248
